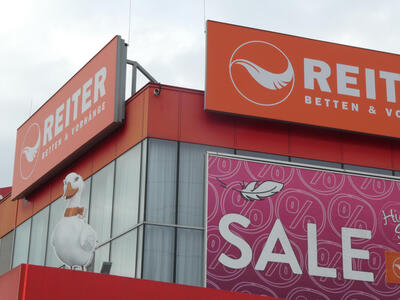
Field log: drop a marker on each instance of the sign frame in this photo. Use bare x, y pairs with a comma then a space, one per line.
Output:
107, 68
369, 73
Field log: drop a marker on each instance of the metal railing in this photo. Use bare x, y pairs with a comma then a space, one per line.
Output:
135, 67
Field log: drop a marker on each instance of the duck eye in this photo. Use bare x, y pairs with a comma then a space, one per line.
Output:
76, 179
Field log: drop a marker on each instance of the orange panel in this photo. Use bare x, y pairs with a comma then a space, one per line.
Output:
367, 151
135, 128
198, 126
24, 211
164, 114
82, 166
261, 136
314, 143
57, 186
8, 210
40, 199
104, 153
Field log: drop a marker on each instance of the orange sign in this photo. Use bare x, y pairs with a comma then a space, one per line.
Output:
392, 267
270, 75
84, 109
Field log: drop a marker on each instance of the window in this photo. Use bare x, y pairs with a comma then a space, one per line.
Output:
101, 255
127, 186
189, 256
6, 244
37, 250
161, 181
57, 209
85, 196
101, 202
192, 165
123, 254
159, 251
21, 243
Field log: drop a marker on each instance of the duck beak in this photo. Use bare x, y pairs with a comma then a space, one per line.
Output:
70, 191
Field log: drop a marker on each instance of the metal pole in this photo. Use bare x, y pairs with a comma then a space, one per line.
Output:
135, 65
133, 80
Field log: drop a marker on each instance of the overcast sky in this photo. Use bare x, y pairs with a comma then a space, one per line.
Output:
45, 42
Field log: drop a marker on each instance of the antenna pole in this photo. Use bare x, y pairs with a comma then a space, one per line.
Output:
129, 26
204, 15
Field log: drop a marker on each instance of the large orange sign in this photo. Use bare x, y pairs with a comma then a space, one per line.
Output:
276, 76
89, 105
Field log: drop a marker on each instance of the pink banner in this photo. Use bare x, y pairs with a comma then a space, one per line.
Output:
298, 233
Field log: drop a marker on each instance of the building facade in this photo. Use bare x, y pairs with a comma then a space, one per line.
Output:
146, 185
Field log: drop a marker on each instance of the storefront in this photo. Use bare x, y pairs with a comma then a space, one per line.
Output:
150, 184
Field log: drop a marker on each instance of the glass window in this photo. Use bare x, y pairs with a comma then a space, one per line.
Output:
101, 255
127, 186
85, 196
189, 257
192, 159
161, 181
139, 252
143, 181
316, 162
101, 202
6, 252
123, 254
159, 249
262, 155
57, 209
21, 243
367, 169
37, 250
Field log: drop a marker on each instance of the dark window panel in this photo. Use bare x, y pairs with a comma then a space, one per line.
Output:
159, 252
161, 181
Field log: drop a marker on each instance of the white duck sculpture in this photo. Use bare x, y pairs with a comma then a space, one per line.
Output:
74, 240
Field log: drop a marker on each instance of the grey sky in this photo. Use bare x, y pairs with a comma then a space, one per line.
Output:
44, 42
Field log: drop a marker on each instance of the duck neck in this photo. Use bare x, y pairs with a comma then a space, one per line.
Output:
74, 201
74, 207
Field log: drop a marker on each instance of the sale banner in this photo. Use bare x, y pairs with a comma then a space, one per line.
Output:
298, 232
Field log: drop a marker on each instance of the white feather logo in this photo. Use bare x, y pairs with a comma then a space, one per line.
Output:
265, 189
248, 62
30, 152
265, 78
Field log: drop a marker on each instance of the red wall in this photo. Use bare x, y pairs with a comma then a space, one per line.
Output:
11, 284
28, 282
178, 114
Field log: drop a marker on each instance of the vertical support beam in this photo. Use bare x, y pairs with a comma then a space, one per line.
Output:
135, 66
133, 81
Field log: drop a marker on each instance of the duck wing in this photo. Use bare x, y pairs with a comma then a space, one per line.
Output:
87, 238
